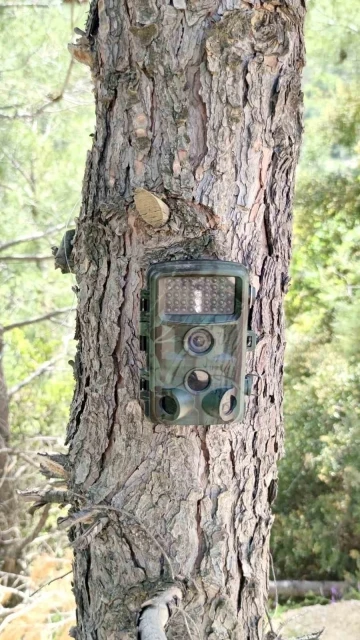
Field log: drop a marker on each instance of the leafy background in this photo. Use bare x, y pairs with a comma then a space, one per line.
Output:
317, 529
46, 118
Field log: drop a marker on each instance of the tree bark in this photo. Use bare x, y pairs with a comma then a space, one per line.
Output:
9, 521
200, 103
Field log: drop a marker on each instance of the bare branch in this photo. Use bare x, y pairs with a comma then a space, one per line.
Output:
41, 523
21, 454
7, 574
11, 5
14, 162
46, 316
85, 516
50, 582
155, 614
16, 612
44, 368
46, 496
54, 465
310, 636
131, 516
90, 534
34, 236
55, 97
14, 591
25, 258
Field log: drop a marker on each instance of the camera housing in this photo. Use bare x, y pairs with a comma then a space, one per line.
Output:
194, 330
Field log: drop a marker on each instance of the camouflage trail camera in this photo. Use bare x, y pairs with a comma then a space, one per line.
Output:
194, 329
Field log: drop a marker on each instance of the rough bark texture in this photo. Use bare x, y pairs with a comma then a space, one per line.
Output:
9, 561
199, 101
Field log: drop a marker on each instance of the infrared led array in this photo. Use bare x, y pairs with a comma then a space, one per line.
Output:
201, 294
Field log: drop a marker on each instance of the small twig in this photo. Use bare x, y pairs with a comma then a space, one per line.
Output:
6, 574
5, 532
270, 622
310, 636
186, 624
67, 78
286, 622
19, 168
90, 534
31, 537
274, 577
15, 592
85, 515
145, 529
16, 612
53, 99
11, 5
49, 582
24, 456
25, 258
46, 438
187, 617
7, 468
38, 372
46, 316
34, 236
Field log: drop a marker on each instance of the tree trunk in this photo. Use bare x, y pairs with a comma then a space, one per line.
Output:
9, 521
200, 103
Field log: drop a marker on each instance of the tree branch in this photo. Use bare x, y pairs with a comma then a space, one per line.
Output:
35, 374
50, 581
46, 316
41, 523
11, 5
25, 258
35, 236
56, 97
310, 636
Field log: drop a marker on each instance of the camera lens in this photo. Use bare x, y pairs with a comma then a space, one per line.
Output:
197, 380
168, 405
198, 341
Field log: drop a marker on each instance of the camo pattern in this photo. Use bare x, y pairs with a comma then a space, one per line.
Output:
168, 383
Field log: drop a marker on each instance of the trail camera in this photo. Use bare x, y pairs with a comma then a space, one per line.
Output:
194, 329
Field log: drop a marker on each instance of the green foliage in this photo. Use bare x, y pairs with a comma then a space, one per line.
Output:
46, 116
317, 527
297, 603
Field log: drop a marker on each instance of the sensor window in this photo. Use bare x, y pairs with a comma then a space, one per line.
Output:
197, 380
168, 405
198, 294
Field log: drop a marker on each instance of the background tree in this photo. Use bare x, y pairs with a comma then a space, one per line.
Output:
316, 532
200, 103
45, 101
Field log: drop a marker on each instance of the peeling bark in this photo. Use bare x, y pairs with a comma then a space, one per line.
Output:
198, 102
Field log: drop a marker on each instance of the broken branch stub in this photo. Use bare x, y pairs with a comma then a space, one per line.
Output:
151, 208
63, 254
